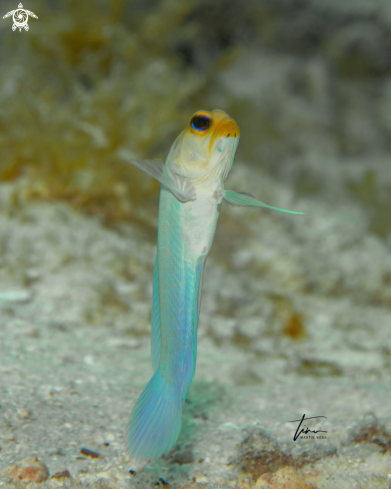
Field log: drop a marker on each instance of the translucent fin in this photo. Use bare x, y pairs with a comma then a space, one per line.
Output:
155, 421
182, 189
198, 290
191, 357
190, 364
239, 198
155, 330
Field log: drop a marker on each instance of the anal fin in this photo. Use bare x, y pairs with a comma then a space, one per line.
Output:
155, 320
191, 357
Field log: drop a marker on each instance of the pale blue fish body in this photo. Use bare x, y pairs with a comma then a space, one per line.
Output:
190, 200
186, 234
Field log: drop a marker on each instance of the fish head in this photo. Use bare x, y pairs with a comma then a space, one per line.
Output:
206, 147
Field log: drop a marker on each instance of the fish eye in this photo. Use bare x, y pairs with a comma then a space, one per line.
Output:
201, 122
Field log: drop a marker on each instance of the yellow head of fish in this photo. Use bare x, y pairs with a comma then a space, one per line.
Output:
206, 147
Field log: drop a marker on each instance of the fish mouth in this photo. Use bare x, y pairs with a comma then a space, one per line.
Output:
227, 127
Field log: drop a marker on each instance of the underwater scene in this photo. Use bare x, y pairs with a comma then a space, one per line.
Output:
179, 308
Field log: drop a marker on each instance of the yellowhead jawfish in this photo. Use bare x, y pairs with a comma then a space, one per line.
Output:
192, 189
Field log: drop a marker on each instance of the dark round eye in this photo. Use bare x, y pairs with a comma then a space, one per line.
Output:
201, 122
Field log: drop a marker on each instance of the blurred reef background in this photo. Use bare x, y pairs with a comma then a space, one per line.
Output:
296, 311
308, 82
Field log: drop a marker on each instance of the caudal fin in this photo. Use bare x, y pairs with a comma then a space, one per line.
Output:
155, 421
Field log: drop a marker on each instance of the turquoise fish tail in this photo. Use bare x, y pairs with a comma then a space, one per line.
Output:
155, 421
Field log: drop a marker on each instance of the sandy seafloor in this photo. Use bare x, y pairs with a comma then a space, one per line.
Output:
295, 320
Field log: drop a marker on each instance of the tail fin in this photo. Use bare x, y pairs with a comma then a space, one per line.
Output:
155, 421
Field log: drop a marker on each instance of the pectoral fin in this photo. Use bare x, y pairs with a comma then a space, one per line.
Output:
239, 198
182, 189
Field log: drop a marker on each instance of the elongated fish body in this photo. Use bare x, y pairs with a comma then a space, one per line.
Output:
190, 200
185, 236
